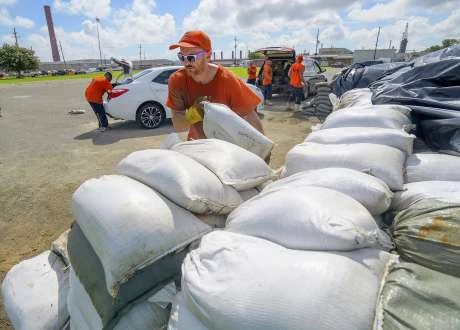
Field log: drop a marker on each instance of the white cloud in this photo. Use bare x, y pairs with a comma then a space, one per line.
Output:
125, 27
89, 8
7, 2
379, 12
18, 21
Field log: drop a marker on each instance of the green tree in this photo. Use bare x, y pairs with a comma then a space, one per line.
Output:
255, 56
445, 43
17, 59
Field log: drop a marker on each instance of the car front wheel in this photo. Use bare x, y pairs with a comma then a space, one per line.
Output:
150, 115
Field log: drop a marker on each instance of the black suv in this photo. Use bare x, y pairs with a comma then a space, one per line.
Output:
282, 58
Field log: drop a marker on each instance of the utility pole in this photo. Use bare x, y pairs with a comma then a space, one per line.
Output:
235, 50
98, 39
15, 36
140, 53
317, 42
389, 47
376, 43
62, 53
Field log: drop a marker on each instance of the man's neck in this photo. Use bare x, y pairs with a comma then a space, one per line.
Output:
207, 75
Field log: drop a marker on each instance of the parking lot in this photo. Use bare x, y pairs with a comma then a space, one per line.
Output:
46, 153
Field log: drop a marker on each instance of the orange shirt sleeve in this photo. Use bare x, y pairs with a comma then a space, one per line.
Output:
242, 99
175, 99
108, 86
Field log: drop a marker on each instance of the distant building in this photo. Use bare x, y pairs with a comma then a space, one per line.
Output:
335, 51
364, 55
96, 63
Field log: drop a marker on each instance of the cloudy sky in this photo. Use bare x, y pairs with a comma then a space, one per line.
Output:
124, 24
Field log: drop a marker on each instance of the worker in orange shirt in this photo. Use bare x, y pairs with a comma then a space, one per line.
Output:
297, 81
93, 94
252, 73
267, 81
198, 79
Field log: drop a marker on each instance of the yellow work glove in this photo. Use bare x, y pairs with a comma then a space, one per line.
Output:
194, 114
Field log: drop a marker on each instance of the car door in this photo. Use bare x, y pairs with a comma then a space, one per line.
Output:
159, 85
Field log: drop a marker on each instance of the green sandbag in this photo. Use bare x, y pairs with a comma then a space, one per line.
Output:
428, 233
142, 285
415, 297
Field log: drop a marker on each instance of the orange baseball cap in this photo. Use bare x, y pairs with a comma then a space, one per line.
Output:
194, 39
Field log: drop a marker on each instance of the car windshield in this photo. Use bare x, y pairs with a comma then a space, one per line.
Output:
310, 66
136, 76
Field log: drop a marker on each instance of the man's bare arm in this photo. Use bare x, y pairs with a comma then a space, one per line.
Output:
253, 119
179, 122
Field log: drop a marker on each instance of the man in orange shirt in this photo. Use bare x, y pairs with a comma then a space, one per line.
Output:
93, 94
297, 81
199, 78
267, 81
252, 73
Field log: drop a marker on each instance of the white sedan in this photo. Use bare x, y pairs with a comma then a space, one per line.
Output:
143, 97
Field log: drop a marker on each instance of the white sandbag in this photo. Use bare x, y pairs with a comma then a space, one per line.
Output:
130, 226
83, 314
363, 117
170, 141
368, 190
233, 165
404, 110
308, 218
181, 179
383, 162
59, 247
446, 191
395, 138
354, 97
220, 122
432, 167
34, 293
152, 313
240, 282
181, 317
213, 220
248, 194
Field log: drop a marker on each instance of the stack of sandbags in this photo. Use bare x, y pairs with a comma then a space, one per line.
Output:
34, 293
128, 241
220, 122
320, 106
235, 281
415, 297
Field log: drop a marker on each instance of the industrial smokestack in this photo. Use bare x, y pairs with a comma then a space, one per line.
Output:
404, 40
49, 22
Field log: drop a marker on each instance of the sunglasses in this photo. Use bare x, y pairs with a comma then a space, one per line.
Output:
191, 58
